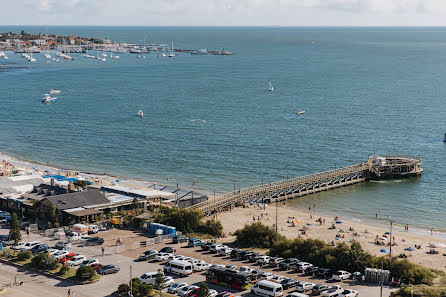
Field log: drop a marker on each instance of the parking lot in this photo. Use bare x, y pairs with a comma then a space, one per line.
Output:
126, 259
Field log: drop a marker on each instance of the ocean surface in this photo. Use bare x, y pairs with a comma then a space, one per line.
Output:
211, 120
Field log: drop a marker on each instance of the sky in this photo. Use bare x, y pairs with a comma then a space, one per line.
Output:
224, 12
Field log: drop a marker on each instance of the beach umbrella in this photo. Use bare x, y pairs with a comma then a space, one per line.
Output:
384, 251
338, 222
387, 233
117, 180
308, 224
410, 249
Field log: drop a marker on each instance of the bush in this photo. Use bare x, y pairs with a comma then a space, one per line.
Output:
257, 235
44, 262
85, 273
212, 227
204, 290
123, 288
63, 270
140, 289
23, 256
81, 183
185, 220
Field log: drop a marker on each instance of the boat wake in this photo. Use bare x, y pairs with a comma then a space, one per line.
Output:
197, 120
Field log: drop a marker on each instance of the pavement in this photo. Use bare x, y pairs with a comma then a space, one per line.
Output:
37, 285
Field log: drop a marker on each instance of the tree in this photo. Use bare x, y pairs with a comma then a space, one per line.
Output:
44, 262
213, 227
81, 183
203, 291
14, 232
85, 273
135, 205
160, 280
257, 235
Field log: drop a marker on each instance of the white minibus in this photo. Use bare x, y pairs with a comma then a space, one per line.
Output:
178, 267
267, 289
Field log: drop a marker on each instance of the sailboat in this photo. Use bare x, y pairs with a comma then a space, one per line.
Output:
300, 112
271, 88
172, 54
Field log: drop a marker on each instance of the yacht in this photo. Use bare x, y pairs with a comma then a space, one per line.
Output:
271, 88
48, 99
300, 112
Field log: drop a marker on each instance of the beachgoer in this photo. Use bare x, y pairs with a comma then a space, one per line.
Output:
16, 279
103, 251
363, 278
69, 293
376, 215
254, 218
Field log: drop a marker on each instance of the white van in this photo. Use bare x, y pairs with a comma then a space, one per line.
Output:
178, 267
267, 289
148, 278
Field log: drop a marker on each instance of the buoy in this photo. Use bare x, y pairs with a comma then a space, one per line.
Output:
140, 113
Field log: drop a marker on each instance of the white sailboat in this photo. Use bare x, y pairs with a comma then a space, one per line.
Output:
271, 88
172, 54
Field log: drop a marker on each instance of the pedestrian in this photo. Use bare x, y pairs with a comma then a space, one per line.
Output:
27, 231
309, 209
16, 279
363, 278
103, 251
69, 293
376, 215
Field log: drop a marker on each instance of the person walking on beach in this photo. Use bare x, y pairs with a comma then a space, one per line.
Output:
16, 279
376, 215
102, 251
69, 293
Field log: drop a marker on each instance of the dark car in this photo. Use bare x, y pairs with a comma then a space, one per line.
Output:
288, 263
245, 255
324, 273
311, 270
147, 255
94, 241
168, 249
235, 253
108, 269
4, 238
288, 283
180, 239
40, 248
206, 246
319, 288
252, 257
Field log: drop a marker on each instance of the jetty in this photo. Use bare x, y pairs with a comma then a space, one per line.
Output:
376, 168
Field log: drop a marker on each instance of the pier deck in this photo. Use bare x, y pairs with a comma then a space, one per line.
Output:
379, 167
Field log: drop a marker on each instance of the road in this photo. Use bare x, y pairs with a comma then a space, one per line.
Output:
36, 285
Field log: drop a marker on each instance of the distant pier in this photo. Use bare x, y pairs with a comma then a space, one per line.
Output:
377, 167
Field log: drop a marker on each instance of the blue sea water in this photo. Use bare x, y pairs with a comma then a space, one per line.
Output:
211, 119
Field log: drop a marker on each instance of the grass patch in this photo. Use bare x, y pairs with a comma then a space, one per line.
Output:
70, 273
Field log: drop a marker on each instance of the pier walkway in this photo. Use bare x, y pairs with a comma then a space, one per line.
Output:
379, 167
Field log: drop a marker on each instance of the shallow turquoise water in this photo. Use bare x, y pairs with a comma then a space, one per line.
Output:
211, 119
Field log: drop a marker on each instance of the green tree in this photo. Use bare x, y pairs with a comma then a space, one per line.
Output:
212, 227
85, 273
135, 205
80, 183
23, 256
203, 291
257, 235
44, 262
14, 232
140, 289
160, 281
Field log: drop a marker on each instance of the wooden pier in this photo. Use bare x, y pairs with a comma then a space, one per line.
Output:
377, 167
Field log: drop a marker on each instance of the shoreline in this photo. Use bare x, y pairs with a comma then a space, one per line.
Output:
362, 231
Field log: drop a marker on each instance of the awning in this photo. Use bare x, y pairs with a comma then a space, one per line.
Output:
85, 212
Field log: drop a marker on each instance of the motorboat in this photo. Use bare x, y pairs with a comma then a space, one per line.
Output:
54, 91
48, 99
140, 113
271, 88
48, 56
300, 112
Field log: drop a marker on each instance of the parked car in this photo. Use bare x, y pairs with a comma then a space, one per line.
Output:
225, 294
39, 248
215, 247
319, 288
206, 246
63, 244
304, 286
76, 260
274, 261
108, 269
186, 290
51, 252
97, 266
287, 263
18, 246
180, 239
29, 245
288, 283
67, 257
201, 266
168, 280
213, 293
349, 293
253, 257
302, 266
311, 270
94, 241
168, 249
333, 291
162, 256
263, 260
231, 267
89, 262
235, 253
324, 273
246, 269
147, 255
277, 279
60, 254
341, 275
175, 287
194, 242
225, 251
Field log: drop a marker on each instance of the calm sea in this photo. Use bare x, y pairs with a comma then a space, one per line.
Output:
211, 119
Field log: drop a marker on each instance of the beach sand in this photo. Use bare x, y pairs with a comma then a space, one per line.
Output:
237, 218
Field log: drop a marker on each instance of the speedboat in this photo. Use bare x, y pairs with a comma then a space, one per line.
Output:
54, 91
300, 112
48, 99
140, 113
271, 88
47, 56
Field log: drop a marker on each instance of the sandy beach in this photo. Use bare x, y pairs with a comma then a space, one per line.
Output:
366, 232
